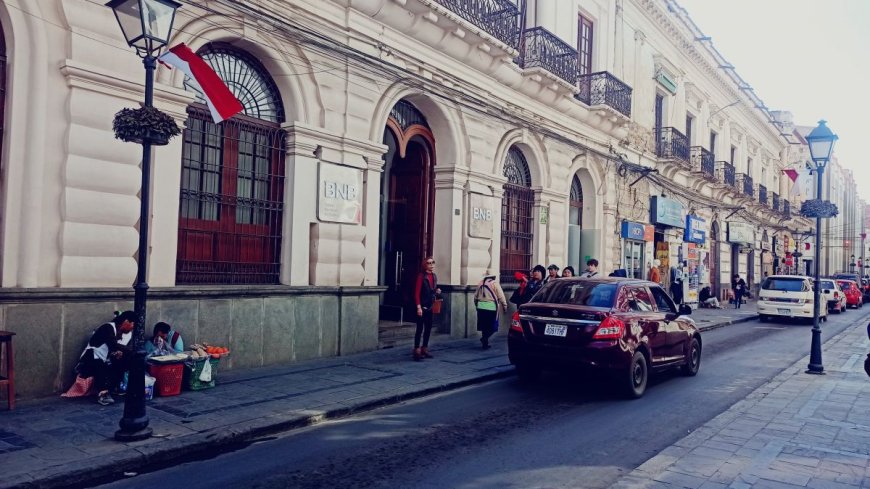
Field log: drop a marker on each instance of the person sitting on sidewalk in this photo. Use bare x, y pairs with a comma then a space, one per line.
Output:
706, 299
165, 338
103, 357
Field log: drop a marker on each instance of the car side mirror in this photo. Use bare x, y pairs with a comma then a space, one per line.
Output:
685, 310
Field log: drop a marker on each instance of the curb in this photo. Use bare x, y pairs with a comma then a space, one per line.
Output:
156, 455
728, 323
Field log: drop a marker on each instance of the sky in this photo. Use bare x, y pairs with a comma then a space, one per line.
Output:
810, 57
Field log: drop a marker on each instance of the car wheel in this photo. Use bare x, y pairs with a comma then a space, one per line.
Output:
693, 360
636, 376
528, 372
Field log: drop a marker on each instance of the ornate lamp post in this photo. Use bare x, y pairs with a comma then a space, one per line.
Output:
821, 142
147, 26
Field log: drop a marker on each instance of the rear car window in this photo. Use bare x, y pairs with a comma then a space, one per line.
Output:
785, 284
579, 293
846, 286
828, 284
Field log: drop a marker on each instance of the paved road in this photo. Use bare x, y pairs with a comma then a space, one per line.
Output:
561, 433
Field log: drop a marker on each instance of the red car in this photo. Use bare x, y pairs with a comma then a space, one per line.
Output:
854, 296
626, 327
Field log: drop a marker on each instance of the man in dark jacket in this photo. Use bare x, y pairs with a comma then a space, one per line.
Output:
529, 286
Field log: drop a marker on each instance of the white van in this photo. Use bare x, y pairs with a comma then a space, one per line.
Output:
788, 296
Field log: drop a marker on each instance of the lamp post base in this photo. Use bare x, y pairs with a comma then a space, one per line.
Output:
122, 435
814, 372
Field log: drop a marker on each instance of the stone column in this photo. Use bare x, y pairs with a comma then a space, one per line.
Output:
449, 215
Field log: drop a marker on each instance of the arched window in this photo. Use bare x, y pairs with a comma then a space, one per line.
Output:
517, 221
575, 203
232, 180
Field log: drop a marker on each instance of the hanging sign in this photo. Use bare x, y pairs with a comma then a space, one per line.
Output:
695, 232
339, 198
741, 233
667, 212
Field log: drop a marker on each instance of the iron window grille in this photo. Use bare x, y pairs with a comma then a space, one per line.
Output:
745, 184
500, 18
517, 219
774, 202
602, 88
542, 49
762, 194
232, 180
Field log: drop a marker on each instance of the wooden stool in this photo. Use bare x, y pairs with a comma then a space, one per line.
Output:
9, 379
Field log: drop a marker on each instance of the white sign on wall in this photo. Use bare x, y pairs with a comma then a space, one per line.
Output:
480, 216
741, 232
339, 198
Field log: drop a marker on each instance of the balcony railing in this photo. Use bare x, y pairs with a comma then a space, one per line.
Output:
541, 48
726, 173
702, 161
744, 184
500, 18
762, 194
786, 208
774, 201
602, 88
671, 144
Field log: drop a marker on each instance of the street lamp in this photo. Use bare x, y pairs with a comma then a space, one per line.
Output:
852, 263
146, 25
821, 142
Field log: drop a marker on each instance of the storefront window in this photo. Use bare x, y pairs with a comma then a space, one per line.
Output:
632, 258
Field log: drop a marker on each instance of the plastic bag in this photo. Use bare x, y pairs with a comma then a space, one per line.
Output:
205, 375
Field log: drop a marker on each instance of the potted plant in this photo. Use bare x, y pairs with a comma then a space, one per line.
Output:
144, 124
819, 208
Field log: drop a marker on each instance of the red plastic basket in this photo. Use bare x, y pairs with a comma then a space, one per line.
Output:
168, 378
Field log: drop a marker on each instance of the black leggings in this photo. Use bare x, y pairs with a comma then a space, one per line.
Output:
107, 376
424, 327
486, 324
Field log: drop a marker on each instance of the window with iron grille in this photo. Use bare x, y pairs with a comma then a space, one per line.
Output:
576, 203
584, 44
517, 220
232, 180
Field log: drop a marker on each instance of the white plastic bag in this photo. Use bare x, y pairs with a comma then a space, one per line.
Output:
205, 375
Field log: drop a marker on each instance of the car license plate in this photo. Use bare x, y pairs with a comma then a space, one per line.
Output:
784, 311
556, 330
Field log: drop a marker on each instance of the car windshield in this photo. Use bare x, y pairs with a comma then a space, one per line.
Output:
581, 293
785, 284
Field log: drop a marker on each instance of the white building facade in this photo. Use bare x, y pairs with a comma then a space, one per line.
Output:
375, 133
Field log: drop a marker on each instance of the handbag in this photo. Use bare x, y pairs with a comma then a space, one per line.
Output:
436, 306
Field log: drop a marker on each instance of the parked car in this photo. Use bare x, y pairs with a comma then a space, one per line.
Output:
626, 327
787, 296
833, 295
854, 296
863, 284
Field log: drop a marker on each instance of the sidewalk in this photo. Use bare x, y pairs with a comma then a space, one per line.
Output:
56, 441
796, 431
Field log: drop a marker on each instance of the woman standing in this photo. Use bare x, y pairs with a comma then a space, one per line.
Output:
487, 300
425, 291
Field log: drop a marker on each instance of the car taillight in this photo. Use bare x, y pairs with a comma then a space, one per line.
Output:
515, 323
609, 329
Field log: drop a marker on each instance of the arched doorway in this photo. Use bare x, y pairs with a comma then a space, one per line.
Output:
575, 222
517, 221
407, 205
714, 261
232, 179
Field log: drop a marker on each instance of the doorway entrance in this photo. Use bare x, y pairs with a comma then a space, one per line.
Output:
714, 264
407, 204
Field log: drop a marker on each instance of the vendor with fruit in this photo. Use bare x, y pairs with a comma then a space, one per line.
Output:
165, 338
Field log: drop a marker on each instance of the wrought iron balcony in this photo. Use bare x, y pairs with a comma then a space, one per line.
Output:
602, 88
744, 184
500, 18
786, 208
671, 144
774, 202
762, 194
702, 161
542, 49
726, 174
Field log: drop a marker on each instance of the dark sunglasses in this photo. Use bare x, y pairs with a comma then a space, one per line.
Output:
430, 262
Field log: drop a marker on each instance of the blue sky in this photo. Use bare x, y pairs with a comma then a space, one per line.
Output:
811, 57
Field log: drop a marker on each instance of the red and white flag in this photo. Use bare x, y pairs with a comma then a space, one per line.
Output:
221, 101
794, 176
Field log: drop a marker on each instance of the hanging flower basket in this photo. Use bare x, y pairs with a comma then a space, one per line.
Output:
144, 124
819, 208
